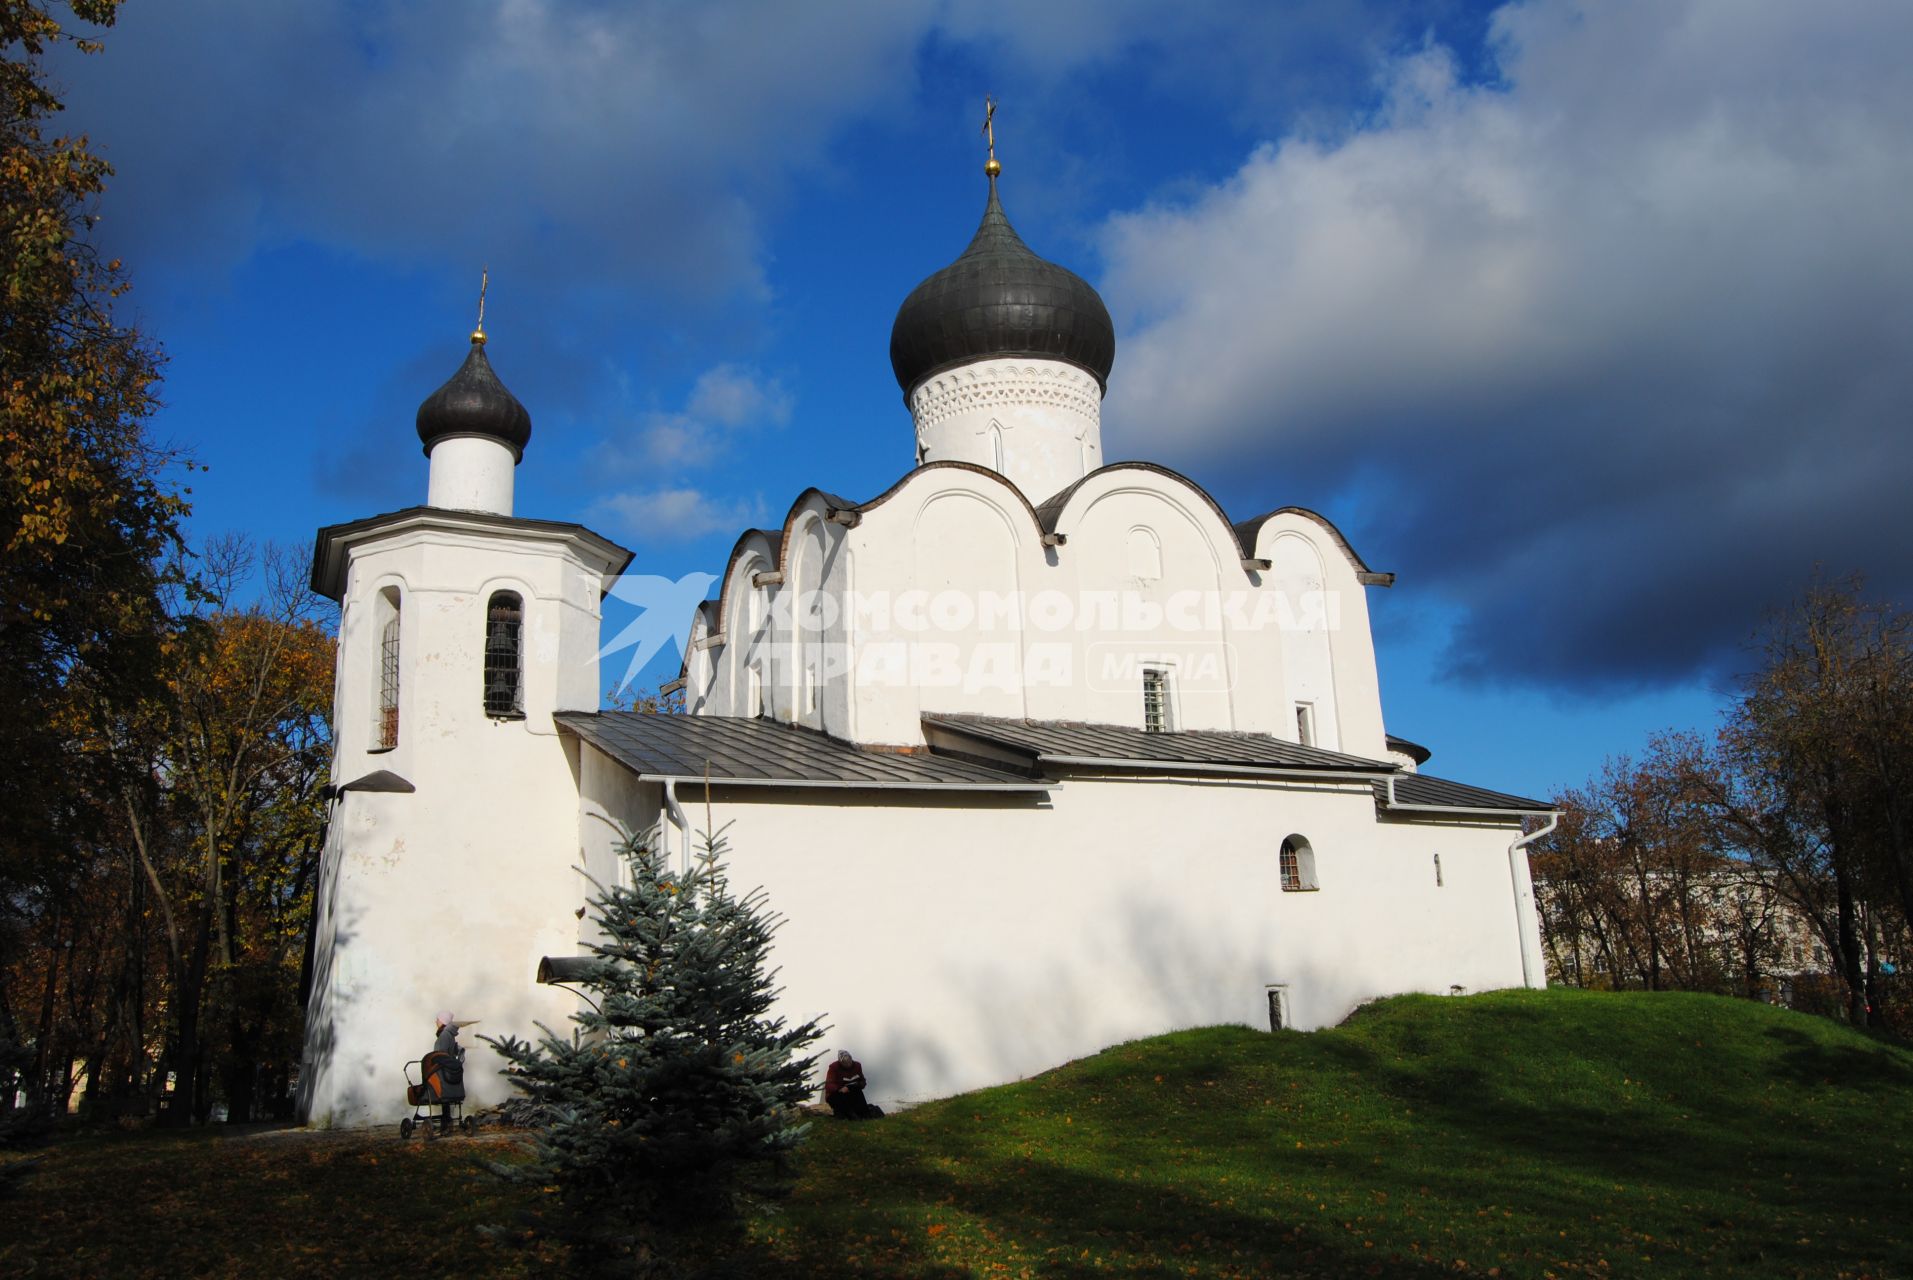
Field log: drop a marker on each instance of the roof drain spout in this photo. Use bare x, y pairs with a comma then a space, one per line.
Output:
675, 812
1533, 973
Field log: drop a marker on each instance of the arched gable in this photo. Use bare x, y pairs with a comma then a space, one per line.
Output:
917, 476
1249, 533
759, 544
1057, 514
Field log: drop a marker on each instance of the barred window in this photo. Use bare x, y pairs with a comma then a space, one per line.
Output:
385, 725
504, 666
1297, 865
1155, 700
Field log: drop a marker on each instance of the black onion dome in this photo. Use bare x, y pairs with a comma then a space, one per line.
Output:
475, 403
999, 299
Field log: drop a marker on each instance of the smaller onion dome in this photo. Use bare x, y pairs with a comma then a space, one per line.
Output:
1000, 299
475, 403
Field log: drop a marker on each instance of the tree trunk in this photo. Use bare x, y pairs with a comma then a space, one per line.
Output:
1851, 970
184, 1057
42, 1085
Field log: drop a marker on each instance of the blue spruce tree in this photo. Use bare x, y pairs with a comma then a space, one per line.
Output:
679, 1080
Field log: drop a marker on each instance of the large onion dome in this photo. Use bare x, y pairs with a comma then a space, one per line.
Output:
475, 403
999, 299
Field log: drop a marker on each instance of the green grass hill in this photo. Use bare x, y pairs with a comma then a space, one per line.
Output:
1554, 1133
1524, 1133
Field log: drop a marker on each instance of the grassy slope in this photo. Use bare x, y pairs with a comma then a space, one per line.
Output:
1559, 1132
1538, 1133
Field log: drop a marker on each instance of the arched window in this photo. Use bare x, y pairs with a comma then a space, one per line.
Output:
504, 655
996, 447
385, 719
1298, 866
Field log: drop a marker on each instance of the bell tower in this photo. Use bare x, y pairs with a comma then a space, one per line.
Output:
453, 819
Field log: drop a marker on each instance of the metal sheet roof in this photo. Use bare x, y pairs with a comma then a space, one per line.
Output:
329, 549
759, 752
1068, 741
1420, 789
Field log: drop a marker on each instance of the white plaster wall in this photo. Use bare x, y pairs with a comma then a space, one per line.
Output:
957, 940
448, 896
1038, 422
472, 473
965, 547
1358, 695
1238, 665
1308, 666
1159, 620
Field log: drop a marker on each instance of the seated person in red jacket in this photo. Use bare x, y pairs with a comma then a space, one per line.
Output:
844, 1089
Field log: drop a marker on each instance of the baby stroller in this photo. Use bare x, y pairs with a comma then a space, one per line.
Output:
436, 1080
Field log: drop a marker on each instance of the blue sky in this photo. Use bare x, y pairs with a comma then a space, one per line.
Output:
1590, 321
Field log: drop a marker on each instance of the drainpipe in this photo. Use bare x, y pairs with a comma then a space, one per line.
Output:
1533, 972
675, 812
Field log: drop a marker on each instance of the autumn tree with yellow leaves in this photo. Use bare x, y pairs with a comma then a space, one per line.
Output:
162, 714
88, 517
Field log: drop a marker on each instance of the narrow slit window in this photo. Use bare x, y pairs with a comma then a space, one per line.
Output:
1438, 871
1155, 700
1278, 1008
504, 653
385, 727
1305, 723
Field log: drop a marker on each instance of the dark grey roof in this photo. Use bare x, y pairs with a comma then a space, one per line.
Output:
328, 550
761, 752
1420, 789
473, 402
1000, 299
1248, 532
1055, 741
1413, 750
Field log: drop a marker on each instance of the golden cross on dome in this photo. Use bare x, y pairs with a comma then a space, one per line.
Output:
484, 282
989, 131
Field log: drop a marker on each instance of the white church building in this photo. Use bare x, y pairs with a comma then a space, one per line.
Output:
1033, 752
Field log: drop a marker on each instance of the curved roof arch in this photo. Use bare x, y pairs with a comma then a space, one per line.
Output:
1044, 519
1250, 530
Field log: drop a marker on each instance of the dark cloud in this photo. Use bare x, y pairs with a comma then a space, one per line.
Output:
575, 142
1619, 340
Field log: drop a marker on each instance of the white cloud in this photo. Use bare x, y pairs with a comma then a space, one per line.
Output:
732, 396
1612, 334
674, 515
726, 400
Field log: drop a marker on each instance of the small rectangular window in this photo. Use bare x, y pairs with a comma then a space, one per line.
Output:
1156, 716
1438, 871
1305, 723
1278, 1008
